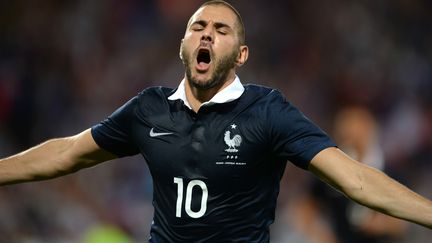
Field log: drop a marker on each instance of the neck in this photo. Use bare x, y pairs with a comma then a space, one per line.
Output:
196, 97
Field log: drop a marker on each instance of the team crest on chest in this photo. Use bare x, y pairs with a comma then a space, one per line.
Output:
232, 140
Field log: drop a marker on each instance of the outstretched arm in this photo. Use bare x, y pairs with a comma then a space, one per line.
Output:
53, 158
371, 187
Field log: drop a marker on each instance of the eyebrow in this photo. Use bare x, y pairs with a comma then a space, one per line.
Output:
218, 25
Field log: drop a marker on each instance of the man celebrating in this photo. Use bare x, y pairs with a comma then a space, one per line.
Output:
216, 148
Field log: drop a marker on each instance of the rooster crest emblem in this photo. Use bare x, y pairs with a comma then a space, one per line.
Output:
232, 142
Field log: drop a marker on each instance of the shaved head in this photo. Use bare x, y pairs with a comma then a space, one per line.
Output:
240, 29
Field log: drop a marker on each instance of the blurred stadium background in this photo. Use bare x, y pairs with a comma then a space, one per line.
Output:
66, 65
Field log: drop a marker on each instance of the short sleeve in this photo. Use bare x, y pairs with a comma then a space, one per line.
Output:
114, 133
294, 137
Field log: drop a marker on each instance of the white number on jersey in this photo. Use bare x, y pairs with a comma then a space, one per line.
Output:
188, 201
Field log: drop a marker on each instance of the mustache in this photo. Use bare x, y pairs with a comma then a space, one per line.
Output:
205, 44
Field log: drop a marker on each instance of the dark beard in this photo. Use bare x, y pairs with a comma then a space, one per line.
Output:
219, 75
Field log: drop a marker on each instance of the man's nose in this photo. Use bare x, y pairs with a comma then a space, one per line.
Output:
207, 35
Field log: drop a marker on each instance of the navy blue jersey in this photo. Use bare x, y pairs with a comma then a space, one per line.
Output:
216, 173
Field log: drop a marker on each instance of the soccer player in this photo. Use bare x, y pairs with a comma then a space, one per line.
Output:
216, 148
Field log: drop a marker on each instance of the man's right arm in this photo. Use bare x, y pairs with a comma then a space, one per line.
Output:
53, 158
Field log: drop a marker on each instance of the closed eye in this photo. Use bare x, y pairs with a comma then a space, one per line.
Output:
197, 28
220, 27
222, 32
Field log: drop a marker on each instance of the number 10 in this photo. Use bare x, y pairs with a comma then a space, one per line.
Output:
190, 186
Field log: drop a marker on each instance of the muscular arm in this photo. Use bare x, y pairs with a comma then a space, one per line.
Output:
53, 158
371, 187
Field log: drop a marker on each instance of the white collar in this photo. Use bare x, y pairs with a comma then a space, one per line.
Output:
229, 93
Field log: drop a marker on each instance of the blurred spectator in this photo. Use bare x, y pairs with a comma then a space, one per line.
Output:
357, 133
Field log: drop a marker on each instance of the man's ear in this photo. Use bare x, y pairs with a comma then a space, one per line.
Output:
180, 52
242, 56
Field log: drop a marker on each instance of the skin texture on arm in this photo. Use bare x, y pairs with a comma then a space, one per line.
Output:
371, 187
53, 158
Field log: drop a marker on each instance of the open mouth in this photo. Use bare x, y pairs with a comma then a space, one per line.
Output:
203, 56
203, 60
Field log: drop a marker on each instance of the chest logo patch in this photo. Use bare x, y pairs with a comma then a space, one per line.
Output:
232, 141
154, 134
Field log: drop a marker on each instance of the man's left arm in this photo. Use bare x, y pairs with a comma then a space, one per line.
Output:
371, 187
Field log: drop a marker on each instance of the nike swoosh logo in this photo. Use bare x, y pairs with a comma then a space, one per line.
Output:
158, 134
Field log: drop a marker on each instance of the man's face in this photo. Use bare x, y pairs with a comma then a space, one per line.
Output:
210, 47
